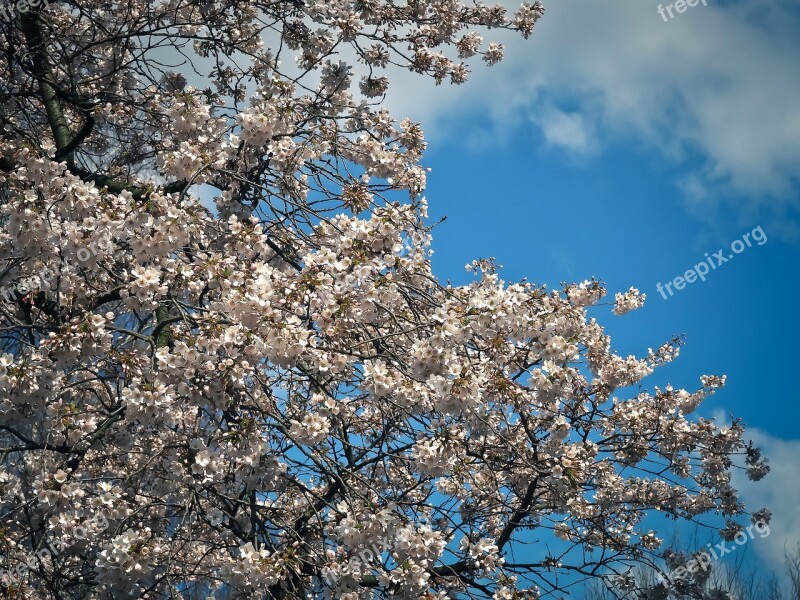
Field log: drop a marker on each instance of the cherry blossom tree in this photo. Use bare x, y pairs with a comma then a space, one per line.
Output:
269, 394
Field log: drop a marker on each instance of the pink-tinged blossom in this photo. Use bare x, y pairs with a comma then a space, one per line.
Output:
630, 300
268, 387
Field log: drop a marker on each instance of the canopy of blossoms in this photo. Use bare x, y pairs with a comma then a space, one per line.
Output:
271, 395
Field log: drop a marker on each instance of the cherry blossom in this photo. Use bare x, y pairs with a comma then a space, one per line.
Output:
254, 390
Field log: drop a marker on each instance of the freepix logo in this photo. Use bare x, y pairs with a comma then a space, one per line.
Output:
712, 262
679, 6
91, 527
47, 277
703, 559
9, 11
366, 556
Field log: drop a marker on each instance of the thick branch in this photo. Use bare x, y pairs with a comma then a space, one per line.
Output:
66, 144
44, 77
114, 186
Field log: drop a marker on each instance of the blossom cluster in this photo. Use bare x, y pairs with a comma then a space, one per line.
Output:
253, 392
492, 397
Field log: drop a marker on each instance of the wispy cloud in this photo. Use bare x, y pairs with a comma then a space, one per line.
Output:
779, 491
714, 91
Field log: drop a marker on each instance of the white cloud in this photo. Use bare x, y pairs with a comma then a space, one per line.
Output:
569, 131
718, 81
779, 491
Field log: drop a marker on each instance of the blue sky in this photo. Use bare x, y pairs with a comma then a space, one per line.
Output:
616, 145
